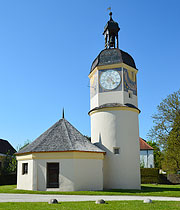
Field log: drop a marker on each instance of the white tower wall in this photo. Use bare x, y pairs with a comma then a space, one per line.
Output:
118, 129
114, 112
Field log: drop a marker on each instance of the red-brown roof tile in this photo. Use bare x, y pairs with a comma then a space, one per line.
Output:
144, 145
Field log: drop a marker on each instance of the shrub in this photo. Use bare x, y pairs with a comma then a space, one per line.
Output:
149, 175
174, 178
8, 179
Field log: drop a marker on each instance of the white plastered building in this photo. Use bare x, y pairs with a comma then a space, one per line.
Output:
60, 159
146, 154
63, 159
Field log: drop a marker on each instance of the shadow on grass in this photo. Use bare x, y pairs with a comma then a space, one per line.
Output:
146, 189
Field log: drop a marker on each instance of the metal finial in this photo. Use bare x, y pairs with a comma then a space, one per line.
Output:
110, 14
63, 113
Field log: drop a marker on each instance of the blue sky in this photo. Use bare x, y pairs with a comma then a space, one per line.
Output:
47, 48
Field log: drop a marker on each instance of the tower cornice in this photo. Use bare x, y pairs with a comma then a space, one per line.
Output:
112, 66
114, 107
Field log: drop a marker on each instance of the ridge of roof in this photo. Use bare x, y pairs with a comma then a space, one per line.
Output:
67, 133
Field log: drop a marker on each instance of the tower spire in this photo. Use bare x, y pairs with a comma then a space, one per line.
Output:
110, 33
63, 113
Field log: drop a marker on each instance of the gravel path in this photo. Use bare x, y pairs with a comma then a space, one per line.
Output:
4, 197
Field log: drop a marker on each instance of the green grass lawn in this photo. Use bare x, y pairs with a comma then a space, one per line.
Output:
147, 190
111, 205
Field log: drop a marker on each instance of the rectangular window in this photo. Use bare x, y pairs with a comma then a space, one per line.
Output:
132, 75
116, 150
130, 94
24, 168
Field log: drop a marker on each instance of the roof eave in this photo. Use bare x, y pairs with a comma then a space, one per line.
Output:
27, 153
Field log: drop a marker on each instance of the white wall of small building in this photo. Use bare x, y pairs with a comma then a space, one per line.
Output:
25, 181
74, 174
147, 158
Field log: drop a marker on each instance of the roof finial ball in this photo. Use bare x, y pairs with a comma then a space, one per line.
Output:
110, 14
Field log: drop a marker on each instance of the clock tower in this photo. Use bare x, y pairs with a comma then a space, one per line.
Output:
114, 112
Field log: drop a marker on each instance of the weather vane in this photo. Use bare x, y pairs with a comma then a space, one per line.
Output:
109, 9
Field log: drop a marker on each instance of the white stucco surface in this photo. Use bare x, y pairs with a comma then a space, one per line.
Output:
118, 129
88, 174
74, 174
25, 181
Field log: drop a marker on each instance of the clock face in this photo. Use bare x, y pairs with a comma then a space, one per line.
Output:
110, 79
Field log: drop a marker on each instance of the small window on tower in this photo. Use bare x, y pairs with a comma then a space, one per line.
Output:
130, 94
116, 150
132, 75
24, 168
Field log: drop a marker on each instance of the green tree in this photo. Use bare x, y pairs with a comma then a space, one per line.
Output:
166, 130
171, 161
9, 164
19, 147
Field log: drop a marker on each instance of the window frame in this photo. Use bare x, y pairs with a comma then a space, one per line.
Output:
24, 168
130, 94
116, 150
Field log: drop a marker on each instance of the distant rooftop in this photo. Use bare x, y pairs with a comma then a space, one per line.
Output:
5, 146
144, 145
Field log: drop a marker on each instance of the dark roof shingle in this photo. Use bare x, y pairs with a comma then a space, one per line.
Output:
62, 136
112, 56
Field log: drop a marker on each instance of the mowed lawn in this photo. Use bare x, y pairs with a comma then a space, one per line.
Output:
111, 205
147, 190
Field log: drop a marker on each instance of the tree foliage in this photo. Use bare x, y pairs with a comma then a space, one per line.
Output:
172, 149
166, 131
9, 164
19, 147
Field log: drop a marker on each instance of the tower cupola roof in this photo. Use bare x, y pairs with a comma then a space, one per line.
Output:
112, 54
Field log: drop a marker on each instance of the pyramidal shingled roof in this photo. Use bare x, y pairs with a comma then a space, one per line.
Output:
62, 136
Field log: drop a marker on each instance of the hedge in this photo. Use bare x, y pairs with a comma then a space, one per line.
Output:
8, 179
149, 175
